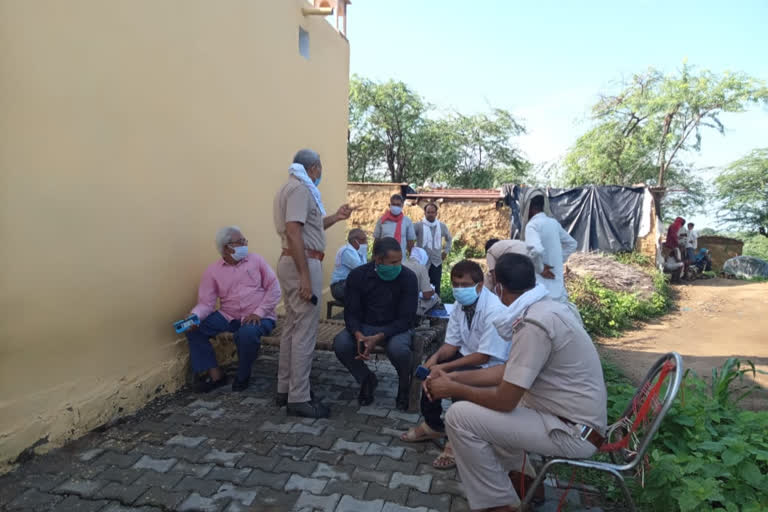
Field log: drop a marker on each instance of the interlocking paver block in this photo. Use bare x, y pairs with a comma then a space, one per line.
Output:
373, 411
350, 504
393, 452
122, 493
123, 476
346, 488
302, 468
299, 483
157, 496
117, 507
85, 488
159, 465
362, 461
241, 495
309, 502
394, 507
402, 466
120, 460
188, 468
189, 442
461, 505
299, 428
293, 452
197, 503
420, 482
387, 431
373, 438
350, 446
251, 460
205, 403
445, 486
34, 499
90, 454
256, 402
223, 457
326, 471
208, 413
268, 426
229, 474
265, 479
436, 501
159, 480
77, 504
319, 455
45, 481
203, 487
370, 475
410, 417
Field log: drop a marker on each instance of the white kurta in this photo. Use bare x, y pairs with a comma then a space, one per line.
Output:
482, 337
547, 238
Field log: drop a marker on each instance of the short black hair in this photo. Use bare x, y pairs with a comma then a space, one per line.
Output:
396, 197
515, 272
489, 244
467, 267
538, 203
431, 204
383, 246
691, 224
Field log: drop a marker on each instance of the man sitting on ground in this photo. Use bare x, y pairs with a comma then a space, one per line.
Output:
379, 308
471, 342
549, 397
417, 262
353, 254
249, 292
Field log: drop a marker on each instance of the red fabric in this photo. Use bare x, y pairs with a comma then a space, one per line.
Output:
398, 229
674, 228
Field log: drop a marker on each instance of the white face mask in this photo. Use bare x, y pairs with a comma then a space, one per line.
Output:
396, 210
240, 252
363, 251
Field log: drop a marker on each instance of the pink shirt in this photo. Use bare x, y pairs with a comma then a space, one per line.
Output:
248, 288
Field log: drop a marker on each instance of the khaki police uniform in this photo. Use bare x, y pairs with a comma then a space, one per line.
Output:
294, 203
554, 359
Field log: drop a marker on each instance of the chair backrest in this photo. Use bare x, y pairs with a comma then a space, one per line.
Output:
642, 418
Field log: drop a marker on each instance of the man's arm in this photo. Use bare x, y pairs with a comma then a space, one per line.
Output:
342, 213
503, 397
407, 303
207, 294
445, 351
353, 306
271, 289
533, 240
483, 377
567, 242
350, 260
448, 238
377, 230
476, 359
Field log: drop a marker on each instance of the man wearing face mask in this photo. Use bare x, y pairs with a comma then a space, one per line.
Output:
249, 292
348, 258
549, 397
430, 234
396, 224
471, 342
379, 308
301, 221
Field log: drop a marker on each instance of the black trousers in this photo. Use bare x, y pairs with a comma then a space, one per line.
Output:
435, 275
337, 290
433, 410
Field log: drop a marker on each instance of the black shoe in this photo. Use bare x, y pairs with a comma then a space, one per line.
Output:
366, 390
240, 385
281, 399
402, 400
309, 410
207, 384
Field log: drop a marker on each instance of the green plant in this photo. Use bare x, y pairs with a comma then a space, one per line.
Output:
633, 258
722, 378
458, 253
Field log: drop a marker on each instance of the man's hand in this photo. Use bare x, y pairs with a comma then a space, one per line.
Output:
547, 272
432, 361
369, 343
344, 212
440, 387
252, 320
305, 288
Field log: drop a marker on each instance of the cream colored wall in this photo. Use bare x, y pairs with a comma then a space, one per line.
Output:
129, 132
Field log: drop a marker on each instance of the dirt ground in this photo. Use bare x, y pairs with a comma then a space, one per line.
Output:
714, 320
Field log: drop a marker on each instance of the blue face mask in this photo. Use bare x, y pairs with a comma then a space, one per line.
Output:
240, 252
396, 210
363, 252
466, 296
316, 181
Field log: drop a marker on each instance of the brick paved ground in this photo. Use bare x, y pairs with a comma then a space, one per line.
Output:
236, 451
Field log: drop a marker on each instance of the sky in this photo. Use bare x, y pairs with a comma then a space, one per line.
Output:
548, 61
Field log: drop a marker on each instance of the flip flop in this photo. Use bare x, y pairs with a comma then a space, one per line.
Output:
444, 461
412, 436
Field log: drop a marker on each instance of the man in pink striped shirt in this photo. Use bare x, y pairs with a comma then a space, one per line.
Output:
249, 292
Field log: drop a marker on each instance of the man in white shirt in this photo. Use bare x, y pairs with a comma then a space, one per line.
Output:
691, 244
350, 256
548, 241
471, 342
430, 234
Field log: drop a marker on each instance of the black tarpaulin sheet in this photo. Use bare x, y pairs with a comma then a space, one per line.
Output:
605, 218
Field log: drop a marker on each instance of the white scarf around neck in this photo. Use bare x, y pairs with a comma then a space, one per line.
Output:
428, 241
300, 172
505, 323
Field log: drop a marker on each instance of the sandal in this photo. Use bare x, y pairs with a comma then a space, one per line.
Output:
444, 461
420, 433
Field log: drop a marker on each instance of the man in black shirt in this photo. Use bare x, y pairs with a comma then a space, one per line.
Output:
379, 307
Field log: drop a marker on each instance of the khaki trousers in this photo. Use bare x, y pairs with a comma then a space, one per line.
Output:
488, 444
299, 329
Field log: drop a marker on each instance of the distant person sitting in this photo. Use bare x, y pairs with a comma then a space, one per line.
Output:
396, 224
380, 308
417, 262
703, 260
248, 292
673, 264
353, 254
471, 342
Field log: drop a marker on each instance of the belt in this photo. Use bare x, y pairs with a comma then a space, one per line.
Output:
586, 433
311, 254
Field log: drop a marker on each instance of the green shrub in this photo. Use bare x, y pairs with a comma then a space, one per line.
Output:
708, 453
633, 258
458, 253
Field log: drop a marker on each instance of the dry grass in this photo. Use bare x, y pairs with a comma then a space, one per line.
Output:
610, 273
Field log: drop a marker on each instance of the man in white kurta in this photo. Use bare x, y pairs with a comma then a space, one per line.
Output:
548, 241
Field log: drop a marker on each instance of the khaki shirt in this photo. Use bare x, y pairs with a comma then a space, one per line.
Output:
294, 203
553, 357
422, 277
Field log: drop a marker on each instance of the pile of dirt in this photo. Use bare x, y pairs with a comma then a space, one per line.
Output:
610, 273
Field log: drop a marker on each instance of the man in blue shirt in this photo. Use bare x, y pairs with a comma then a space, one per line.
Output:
350, 256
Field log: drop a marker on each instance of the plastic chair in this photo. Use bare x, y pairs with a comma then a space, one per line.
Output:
634, 427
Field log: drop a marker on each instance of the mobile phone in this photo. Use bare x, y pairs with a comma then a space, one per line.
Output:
313, 300
182, 325
421, 373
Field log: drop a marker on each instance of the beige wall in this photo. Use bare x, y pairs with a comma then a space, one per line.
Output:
129, 132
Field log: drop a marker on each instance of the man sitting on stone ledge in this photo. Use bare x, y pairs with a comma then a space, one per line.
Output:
249, 292
379, 308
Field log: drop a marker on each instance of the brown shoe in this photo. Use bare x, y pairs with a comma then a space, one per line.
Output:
538, 497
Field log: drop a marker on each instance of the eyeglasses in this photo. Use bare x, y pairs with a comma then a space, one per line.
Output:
242, 241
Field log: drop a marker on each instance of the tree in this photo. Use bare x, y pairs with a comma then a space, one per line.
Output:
643, 132
743, 189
